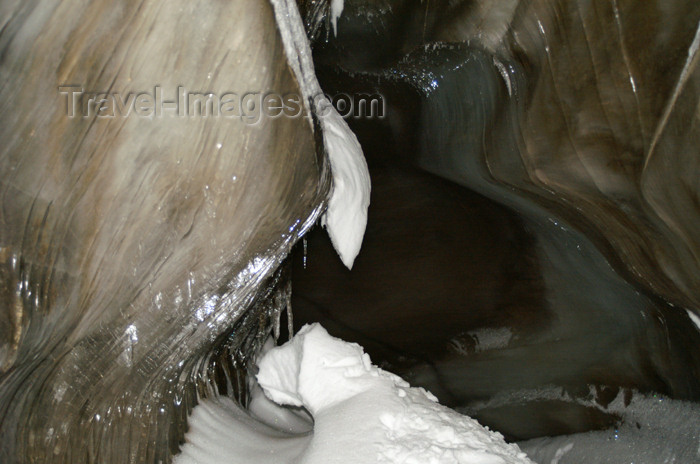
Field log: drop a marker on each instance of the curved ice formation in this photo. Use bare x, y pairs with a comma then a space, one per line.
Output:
363, 414
346, 216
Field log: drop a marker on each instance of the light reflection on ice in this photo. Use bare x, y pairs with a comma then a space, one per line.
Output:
207, 308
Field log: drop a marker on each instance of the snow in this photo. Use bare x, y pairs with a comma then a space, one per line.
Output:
653, 430
320, 400
358, 414
221, 432
346, 216
364, 414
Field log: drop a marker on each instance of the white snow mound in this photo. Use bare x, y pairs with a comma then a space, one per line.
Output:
363, 414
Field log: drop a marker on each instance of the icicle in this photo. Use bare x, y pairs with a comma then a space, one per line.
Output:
304, 242
229, 382
242, 390
290, 317
276, 324
290, 320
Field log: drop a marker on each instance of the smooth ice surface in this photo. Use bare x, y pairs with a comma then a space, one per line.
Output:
364, 414
132, 246
346, 217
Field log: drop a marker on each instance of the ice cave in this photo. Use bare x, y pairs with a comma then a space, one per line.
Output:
349, 232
